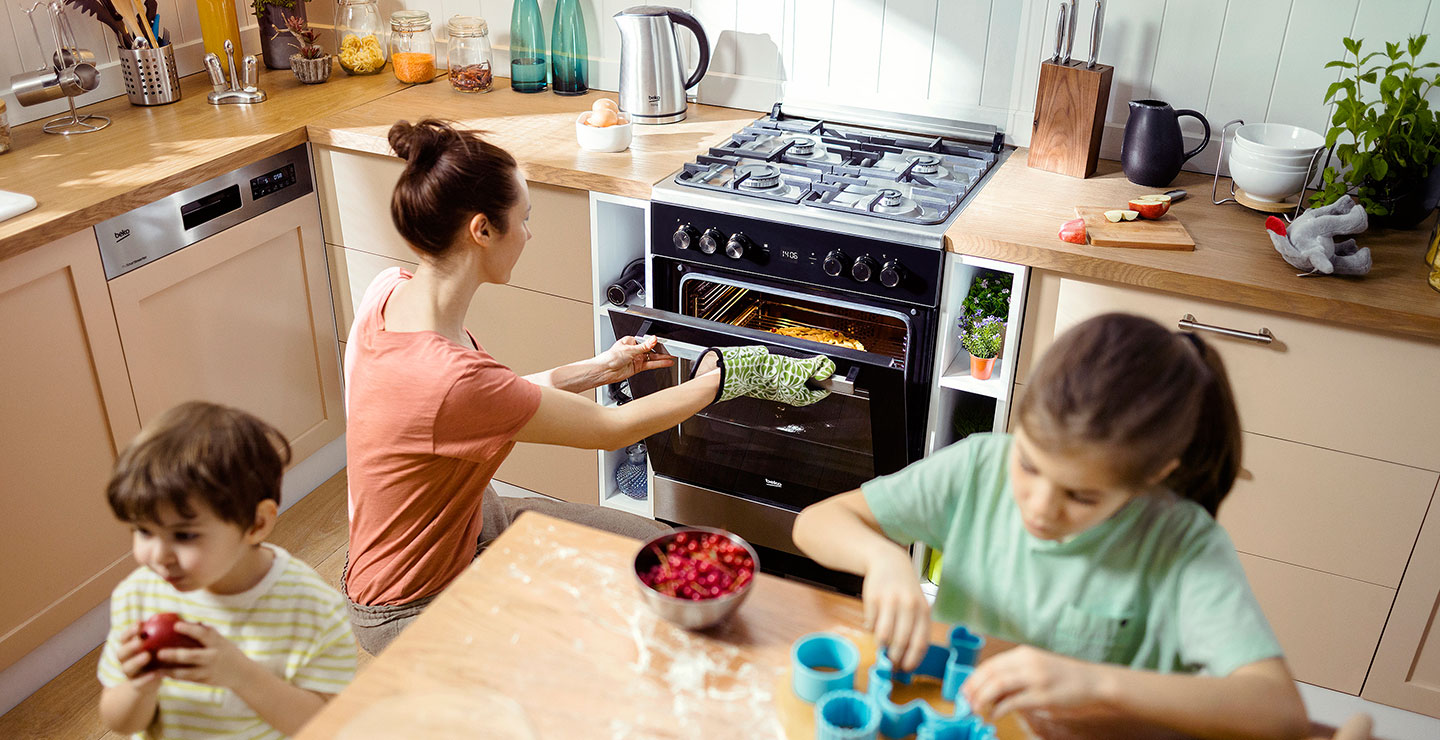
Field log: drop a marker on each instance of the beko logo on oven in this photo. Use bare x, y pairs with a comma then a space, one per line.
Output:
122, 235
774, 483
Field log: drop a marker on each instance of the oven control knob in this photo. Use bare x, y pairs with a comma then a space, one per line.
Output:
711, 240
736, 247
863, 269
835, 263
685, 237
892, 274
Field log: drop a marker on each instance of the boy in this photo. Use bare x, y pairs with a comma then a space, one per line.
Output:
200, 488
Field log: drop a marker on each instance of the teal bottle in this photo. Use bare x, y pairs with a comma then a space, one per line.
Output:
528, 66
569, 61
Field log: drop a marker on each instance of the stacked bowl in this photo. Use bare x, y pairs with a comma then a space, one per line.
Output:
1270, 161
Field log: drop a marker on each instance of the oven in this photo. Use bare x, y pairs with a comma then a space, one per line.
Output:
747, 465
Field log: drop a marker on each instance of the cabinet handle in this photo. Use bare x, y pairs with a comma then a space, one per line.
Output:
1263, 336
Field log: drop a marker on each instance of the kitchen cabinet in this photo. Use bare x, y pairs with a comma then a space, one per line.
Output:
541, 319
66, 412
241, 318
1406, 671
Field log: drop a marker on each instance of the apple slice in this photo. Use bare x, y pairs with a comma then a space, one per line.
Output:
1073, 231
1151, 206
1120, 214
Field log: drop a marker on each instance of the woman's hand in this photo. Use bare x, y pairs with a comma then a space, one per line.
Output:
896, 610
217, 662
628, 356
1030, 678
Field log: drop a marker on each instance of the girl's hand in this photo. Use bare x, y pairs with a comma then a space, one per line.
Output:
628, 356
896, 609
217, 662
133, 658
1030, 678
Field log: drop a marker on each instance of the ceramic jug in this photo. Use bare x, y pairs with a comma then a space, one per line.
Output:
1153, 150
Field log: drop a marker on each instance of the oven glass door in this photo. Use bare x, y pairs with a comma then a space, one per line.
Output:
768, 451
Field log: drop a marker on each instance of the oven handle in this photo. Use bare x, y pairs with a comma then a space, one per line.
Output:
840, 384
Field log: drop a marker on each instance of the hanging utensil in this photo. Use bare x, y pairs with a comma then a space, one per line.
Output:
1095, 26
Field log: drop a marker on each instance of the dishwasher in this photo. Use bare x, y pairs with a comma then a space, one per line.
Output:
221, 293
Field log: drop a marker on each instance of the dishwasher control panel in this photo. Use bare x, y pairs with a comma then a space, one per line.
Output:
154, 230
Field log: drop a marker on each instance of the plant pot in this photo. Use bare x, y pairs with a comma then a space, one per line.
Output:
310, 71
981, 368
276, 43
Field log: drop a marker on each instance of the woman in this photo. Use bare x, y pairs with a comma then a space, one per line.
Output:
432, 415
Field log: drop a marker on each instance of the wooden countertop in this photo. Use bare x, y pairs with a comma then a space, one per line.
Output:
148, 153
539, 129
1016, 217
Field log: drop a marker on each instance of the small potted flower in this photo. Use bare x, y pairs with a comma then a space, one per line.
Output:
310, 63
980, 336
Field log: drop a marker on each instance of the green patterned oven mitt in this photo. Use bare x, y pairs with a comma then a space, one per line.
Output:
753, 371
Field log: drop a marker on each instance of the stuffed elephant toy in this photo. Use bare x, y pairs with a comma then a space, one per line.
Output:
1308, 243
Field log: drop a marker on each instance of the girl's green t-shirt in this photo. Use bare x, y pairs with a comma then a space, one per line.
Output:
1156, 586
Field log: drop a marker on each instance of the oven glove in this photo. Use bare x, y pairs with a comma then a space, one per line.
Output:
752, 371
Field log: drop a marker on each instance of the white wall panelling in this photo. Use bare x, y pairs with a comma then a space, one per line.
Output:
969, 59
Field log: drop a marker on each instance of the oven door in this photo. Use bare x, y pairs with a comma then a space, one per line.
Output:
749, 465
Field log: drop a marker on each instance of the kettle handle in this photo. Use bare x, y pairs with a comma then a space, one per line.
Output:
685, 19
1204, 140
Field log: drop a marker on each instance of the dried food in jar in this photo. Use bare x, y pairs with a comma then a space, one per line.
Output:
471, 78
361, 54
413, 66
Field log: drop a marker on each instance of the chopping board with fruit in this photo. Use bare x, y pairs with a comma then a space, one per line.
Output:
1144, 224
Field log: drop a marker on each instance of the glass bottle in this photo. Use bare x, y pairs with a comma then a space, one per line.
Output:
630, 473
469, 53
412, 46
569, 60
217, 24
359, 36
528, 67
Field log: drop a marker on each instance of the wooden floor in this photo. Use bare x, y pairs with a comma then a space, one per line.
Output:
68, 707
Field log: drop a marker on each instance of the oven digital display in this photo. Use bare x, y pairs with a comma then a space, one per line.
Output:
271, 182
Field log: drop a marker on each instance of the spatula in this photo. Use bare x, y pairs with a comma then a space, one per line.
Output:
104, 12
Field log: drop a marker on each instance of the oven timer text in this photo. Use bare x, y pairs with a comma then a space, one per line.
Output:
790, 254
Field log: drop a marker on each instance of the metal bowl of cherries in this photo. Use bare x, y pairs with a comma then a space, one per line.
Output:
696, 576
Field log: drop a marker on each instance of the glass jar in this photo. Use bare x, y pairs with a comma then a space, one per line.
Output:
359, 36
412, 46
469, 52
630, 473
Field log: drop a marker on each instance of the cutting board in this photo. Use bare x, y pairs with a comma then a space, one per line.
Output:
1165, 232
14, 204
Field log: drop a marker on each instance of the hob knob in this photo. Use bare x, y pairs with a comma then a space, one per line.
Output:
736, 246
835, 263
685, 237
710, 241
863, 269
892, 274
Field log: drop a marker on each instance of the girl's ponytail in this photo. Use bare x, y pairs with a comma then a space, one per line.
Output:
1211, 461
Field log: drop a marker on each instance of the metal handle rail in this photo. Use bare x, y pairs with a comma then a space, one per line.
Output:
1189, 323
838, 384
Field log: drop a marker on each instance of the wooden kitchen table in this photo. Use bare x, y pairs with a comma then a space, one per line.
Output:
545, 636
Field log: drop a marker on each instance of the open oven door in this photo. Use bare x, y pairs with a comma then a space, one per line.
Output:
749, 465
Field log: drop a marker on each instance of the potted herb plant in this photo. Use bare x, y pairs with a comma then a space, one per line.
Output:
1383, 132
310, 63
989, 295
980, 336
273, 17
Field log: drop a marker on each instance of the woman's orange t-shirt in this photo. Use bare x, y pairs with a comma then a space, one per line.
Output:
429, 421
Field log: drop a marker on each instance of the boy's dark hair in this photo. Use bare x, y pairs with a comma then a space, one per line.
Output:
198, 451
1148, 395
450, 175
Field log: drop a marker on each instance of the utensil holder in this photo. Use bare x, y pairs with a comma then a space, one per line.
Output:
150, 75
1070, 103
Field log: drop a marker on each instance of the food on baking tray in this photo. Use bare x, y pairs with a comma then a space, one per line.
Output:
827, 336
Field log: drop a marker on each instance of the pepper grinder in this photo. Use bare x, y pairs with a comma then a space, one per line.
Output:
239, 89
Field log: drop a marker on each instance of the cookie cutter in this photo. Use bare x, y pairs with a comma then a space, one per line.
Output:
823, 672
822, 662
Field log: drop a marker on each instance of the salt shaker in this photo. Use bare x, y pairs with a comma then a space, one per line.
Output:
251, 76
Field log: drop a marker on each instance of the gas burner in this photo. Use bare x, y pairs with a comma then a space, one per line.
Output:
889, 197
925, 164
894, 202
757, 176
801, 146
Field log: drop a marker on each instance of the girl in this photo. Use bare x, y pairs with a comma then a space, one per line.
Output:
1089, 536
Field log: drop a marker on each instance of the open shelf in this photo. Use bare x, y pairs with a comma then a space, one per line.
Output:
617, 500
957, 377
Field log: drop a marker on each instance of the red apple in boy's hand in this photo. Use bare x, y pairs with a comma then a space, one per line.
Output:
157, 633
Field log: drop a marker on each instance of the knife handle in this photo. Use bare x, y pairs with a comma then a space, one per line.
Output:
1070, 30
1095, 25
1062, 54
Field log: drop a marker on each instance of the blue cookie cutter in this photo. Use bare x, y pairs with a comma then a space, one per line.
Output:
845, 714
822, 662
951, 665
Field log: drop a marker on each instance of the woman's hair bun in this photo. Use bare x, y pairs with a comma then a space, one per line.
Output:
420, 143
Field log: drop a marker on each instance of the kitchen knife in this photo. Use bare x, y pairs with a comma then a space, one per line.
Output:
1176, 195
1070, 30
1060, 33
1095, 26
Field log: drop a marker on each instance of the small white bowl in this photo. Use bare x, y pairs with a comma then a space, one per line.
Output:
1280, 139
608, 139
1299, 159
1266, 183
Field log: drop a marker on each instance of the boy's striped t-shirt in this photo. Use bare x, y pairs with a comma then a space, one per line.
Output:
292, 623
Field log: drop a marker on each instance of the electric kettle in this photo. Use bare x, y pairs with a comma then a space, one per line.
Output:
652, 82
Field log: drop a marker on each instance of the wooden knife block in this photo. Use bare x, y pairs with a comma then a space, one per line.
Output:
1070, 104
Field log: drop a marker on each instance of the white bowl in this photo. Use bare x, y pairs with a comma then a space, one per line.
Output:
1299, 159
1263, 182
1280, 139
608, 139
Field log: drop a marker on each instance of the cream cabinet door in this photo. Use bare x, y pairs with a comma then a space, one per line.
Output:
242, 318
1406, 671
65, 414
